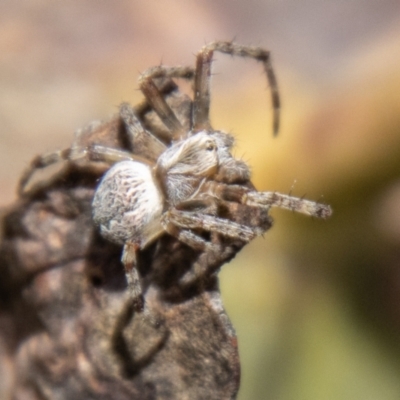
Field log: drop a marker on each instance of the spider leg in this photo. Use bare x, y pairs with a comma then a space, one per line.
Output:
40, 162
212, 253
129, 260
208, 262
157, 101
274, 199
204, 60
141, 141
163, 71
175, 221
95, 153
194, 241
253, 198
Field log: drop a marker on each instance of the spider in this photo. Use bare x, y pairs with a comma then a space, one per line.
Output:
175, 184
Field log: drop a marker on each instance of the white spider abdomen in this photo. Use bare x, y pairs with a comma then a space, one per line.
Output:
127, 202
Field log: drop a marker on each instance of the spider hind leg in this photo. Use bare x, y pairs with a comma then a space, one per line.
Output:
92, 153
129, 260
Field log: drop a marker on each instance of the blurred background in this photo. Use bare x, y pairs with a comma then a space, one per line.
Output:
316, 304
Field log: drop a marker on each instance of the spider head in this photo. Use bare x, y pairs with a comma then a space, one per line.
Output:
183, 166
195, 156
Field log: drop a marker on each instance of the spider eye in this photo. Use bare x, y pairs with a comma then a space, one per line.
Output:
210, 146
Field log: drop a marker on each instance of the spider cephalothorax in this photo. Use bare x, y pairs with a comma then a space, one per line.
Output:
174, 183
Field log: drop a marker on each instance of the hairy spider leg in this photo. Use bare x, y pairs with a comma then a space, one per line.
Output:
142, 142
94, 153
129, 260
177, 222
180, 225
209, 259
274, 199
201, 105
144, 145
157, 101
254, 198
214, 251
207, 263
40, 162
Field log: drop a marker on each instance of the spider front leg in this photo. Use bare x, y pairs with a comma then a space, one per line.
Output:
267, 200
129, 260
157, 101
204, 60
300, 205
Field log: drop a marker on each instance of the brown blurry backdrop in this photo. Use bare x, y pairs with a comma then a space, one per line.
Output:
316, 305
